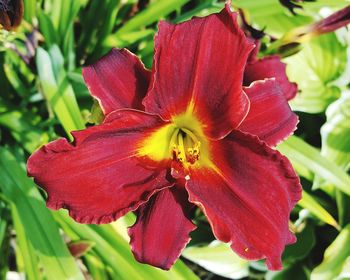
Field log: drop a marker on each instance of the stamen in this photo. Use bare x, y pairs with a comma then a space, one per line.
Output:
184, 146
174, 138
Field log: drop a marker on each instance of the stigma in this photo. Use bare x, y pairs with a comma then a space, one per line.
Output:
184, 146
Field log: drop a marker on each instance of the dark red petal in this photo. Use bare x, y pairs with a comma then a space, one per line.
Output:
247, 197
270, 67
198, 67
99, 177
118, 80
162, 228
269, 117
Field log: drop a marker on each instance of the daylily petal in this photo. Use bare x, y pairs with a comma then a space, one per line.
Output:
270, 67
99, 176
198, 69
162, 228
247, 195
269, 117
118, 80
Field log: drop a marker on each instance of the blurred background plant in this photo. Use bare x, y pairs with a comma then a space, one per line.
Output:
43, 96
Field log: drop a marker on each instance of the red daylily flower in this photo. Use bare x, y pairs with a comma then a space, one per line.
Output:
268, 67
186, 134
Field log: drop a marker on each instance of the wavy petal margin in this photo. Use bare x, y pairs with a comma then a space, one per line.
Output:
270, 67
269, 117
118, 80
198, 69
247, 197
99, 176
162, 228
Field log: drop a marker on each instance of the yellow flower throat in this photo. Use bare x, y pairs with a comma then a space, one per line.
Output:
181, 140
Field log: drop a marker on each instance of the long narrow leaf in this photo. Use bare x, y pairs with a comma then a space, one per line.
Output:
38, 224
60, 96
301, 153
311, 204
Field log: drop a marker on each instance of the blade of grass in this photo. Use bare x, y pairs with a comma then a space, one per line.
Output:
311, 204
27, 259
115, 252
38, 224
334, 257
301, 153
150, 15
59, 93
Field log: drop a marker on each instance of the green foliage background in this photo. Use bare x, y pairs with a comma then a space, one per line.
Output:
43, 96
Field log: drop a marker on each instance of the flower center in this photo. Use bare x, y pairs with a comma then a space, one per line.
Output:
182, 140
184, 146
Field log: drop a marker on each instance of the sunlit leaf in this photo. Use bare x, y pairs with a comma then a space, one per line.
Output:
58, 91
38, 226
301, 153
334, 257
115, 251
336, 132
310, 203
320, 62
218, 258
154, 12
271, 16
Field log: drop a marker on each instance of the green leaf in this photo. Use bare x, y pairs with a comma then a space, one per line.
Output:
306, 240
301, 153
30, 10
38, 225
320, 62
334, 258
154, 12
335, 132
335, 135
97, 269
4, 238
47, 29
271, 16
57, 89
126, 39
27, 134
115, 252
343, 204
27, 259
295, 271
218, 258
18, 74
62, 14
311, 204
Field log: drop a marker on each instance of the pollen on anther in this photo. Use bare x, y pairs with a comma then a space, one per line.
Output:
187, 177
